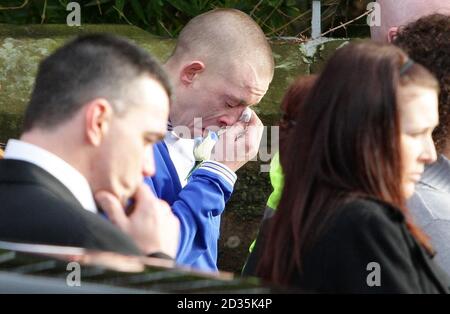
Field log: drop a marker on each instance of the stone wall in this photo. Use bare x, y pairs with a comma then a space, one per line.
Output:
22, 47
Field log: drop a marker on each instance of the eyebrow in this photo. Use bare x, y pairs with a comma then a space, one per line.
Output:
240, 102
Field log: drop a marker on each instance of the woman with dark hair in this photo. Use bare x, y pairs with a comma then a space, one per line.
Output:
290, 105
360, 144
427, 41
292, 100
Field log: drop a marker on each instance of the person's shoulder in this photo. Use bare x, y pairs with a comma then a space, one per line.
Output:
32, 193
60, 209
163, 161
366, 213
369, 207
359, 224
40, 196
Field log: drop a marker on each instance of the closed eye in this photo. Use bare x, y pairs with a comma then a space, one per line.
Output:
152, 138
415, 134
421, 132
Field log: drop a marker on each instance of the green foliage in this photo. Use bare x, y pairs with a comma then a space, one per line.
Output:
167, 17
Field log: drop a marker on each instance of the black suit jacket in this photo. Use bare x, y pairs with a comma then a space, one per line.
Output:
35, 207
361, 232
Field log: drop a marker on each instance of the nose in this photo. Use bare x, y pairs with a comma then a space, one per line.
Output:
429, 154
148, 166
232, 116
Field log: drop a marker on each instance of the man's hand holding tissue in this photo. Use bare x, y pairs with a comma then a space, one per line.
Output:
240, 142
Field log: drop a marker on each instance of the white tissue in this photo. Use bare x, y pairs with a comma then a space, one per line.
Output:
246, 115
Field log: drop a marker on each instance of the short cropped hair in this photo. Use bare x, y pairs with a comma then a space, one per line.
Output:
88, 67
222, 35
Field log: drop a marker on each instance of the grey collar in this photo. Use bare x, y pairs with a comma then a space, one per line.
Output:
437, 175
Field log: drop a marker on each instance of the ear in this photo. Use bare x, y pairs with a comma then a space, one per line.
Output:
392, 34
190, 72
98, 115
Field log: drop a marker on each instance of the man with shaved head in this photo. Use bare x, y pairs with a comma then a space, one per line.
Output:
221, 65
397, 13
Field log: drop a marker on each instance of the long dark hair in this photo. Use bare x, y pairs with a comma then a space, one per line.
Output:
293, 99
345, 144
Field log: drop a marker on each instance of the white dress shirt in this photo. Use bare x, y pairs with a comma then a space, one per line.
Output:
181, 152
71, 178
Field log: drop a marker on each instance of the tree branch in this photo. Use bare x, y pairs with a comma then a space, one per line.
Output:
25, 2
349, 22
